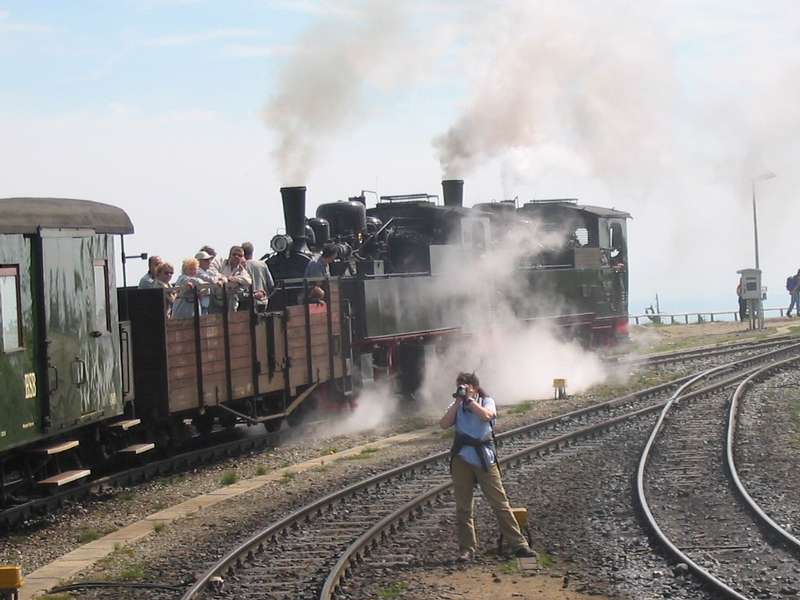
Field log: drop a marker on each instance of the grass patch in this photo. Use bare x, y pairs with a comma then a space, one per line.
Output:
392, 591
510, 567
544, 559
159, 527
229, 477
288, 475
331, 450
261, 470
87, 534
132, 572
365, 453
521, 409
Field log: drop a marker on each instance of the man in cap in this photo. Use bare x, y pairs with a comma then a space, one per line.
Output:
215, 266
205, 273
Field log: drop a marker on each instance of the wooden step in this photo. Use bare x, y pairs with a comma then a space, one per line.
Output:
138, 448
65, 477
125, 424
57, 448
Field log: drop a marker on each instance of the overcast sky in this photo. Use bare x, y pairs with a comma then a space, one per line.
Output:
191, 114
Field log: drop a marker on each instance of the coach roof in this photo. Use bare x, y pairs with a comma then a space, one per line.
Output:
27, 215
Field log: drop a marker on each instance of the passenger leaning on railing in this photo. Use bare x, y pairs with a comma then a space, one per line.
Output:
263, 284
237, 279
190, 288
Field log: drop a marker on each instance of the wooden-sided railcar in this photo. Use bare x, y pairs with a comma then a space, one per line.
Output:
245, 366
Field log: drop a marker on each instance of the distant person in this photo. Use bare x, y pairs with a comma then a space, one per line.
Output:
215, 266
263, 284
148, 280
237, 279
164, 275
318, 268
189, 289
793, 287
742, 301
208, 276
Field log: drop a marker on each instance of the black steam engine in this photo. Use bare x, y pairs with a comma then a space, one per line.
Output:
389, 257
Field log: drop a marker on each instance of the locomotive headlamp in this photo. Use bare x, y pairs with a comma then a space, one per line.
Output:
280, 243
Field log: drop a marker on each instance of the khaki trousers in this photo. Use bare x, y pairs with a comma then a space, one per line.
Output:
464, 477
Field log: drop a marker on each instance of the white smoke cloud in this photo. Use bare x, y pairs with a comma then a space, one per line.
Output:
324, 85
580, 88
515, 355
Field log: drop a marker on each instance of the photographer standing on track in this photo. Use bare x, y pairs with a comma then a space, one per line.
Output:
473, 459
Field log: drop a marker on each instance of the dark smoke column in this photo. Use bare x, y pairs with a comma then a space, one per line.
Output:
453, 191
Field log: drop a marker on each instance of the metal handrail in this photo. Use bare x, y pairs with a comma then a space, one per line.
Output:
699, 316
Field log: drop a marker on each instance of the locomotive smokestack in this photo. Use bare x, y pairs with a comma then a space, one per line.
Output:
453, 190
294, 215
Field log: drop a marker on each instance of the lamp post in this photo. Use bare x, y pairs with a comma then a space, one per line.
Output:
762, 177
756, 307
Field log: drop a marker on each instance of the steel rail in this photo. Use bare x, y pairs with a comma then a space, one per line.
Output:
730, 462
139, 474
356, 552
255, 544
191, 458
232, 558
641, 496
667, 357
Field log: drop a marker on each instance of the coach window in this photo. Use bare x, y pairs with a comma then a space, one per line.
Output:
101, 305
9, 308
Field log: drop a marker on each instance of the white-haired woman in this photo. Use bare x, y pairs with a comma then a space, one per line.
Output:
188, 290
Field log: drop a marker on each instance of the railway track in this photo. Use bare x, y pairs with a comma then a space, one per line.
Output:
312, 552
697, 507
38, 506
704, 352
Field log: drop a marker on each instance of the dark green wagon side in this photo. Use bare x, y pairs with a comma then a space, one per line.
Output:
59, 349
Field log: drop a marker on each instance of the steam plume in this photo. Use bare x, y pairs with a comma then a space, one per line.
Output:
321, 86
578, 91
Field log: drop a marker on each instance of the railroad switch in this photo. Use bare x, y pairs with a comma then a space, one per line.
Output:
559, 389
10, 582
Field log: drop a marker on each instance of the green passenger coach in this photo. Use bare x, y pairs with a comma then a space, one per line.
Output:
60, 369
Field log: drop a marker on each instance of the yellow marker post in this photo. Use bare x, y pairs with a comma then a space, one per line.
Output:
10, 581
559, 389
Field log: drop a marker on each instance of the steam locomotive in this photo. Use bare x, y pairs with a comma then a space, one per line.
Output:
93, 373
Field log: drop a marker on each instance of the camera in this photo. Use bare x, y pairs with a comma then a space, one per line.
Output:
461, 391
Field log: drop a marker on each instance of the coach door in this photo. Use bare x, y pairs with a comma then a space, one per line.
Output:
83, 380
